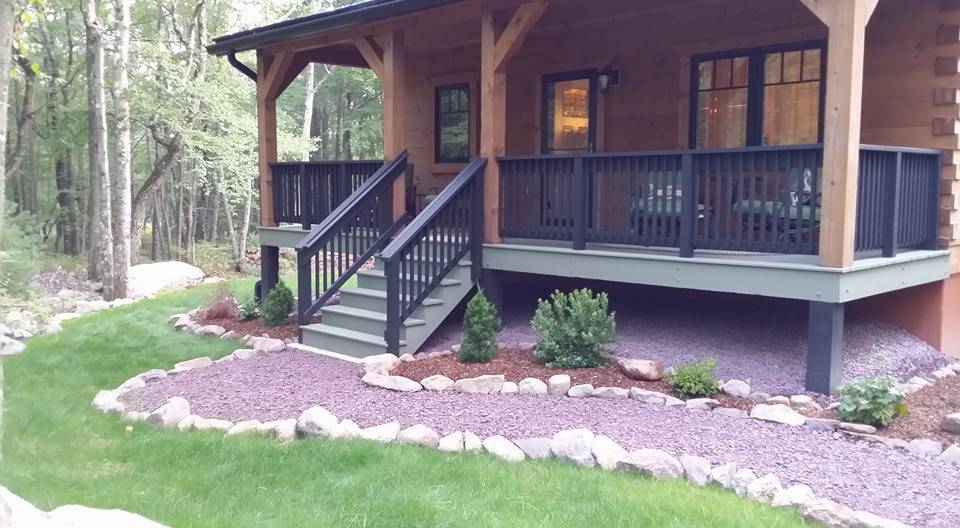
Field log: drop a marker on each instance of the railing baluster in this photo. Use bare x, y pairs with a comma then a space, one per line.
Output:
688, 208
579, 205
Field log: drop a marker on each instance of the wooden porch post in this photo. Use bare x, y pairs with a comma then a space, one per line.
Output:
498, 43
393, 78
267, 132
847, 21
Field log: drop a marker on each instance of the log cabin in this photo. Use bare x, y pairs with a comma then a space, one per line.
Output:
793, 149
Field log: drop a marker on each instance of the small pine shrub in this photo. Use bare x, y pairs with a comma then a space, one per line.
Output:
248, 310
221, 303
572, 327
873, 401
481, 324
696, 380
276, 308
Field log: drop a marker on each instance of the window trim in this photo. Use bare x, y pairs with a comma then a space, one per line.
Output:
437, 89
755, 86
572, 75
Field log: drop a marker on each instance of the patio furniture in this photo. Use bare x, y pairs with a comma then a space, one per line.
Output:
792, 214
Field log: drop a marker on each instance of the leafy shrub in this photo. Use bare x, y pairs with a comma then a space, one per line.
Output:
481, 324
248, 310
695, 380
221, 304
873, 401
276, 308
19, 251
572, 327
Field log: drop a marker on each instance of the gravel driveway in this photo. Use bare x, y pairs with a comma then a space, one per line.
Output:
924, 493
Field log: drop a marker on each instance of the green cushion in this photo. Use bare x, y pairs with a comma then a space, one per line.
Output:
768, 208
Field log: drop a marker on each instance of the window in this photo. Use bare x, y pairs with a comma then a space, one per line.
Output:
568, 107
763, 96
452, 123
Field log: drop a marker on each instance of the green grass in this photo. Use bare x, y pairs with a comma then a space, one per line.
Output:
57, 450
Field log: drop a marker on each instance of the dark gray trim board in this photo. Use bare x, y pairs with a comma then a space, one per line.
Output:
767, 275
824, 339
282, 236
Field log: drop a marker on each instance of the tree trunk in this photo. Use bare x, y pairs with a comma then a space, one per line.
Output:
6, 37
311, 91
122, 177
140, 202
67, 202
244, 229
99, 169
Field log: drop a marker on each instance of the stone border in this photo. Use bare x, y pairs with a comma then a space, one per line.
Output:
776, 409
578, 446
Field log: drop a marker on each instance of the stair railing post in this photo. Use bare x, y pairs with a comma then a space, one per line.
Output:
891, 213
580, 195
305, 198
392, 333
688, 205
476, 227
345, 186
933, 243
304, 295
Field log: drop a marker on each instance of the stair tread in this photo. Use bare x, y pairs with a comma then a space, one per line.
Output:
368, 314
353, 335
429, 301
380, 273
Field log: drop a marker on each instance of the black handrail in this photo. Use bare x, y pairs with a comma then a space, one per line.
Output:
346, 239
432, 245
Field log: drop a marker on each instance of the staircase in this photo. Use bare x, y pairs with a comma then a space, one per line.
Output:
421, 272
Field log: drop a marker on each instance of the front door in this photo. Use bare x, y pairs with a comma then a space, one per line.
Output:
568, 127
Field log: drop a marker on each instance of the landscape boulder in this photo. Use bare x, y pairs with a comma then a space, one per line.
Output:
696, 469
502, 448
437, 383
641, 369
419, 435
778, 413
558, 384
211, 330
192, 364
535, 448
574, 445
267, 344
147, 280
793, 496
580, 391
951, 423
827, 512
606, 452
394, 383
486, 384
532, 386
925, 447
170, 414
764, 488
383, 433
654, 462
10, 346
380, 363
452, 443
735, 387
611, 393
316, 421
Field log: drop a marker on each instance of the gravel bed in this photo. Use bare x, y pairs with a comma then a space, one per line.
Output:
924, 493
765, 345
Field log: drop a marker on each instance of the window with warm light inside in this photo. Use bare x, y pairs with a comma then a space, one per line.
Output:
764, 96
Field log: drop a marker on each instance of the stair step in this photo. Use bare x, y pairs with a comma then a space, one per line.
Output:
378, 262
375, 300
380, 294
344, 341
376, 279
369, 315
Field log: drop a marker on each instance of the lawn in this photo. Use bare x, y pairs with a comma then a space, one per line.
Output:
57, 450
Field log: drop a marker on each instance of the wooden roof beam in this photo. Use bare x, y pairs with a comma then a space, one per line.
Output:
372, 53
273, 81
827, 10
512, 37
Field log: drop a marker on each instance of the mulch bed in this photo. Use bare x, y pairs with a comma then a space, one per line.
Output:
926, 408
516, 365
288, 330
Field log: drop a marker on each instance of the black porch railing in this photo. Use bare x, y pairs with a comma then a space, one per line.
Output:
757, 199
359, 227
447, 230
306, 192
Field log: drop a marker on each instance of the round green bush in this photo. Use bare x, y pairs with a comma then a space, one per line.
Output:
873, 401
696, 380
481, 324
275, 309
572, 327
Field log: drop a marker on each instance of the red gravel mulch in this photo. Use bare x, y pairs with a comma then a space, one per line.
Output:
288, 330
926, 408
516, 365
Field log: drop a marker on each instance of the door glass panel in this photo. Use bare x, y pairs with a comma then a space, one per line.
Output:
722, 103
567, 116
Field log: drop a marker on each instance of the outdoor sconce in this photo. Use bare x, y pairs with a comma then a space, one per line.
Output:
608, 77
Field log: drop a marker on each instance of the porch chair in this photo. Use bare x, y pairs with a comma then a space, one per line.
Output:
661, 202
788, 213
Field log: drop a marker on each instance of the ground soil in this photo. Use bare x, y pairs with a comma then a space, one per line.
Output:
516, 365
256, 327
926, 408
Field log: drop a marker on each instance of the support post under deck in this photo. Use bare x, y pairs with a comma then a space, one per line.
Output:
824, 339
491, 281
269, 270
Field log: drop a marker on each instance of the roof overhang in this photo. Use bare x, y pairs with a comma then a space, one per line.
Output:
356, 14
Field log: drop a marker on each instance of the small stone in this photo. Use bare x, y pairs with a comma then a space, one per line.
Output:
437, 383
502, 448
285, 430
244, 427
951, 423
153, 375
943, 373
133, 383
213, 424
535, 448
951, 455
533, 387
574, 445
394, 383
917, 380
10, 346
696, 469
777, 413
954, 367
925, 447
702, 404
171, 413
735, 387
471, 442
211, 330
225, 359
648, 396
316, 421
452, 443
174, 318
869, 520
731, 412
244, 353
778, 400
723, 475
758, 397
641, 369
909, 388
611, 393
742, 479
674, 402
419, 435
580, 391
487, 384
192, 364
607, 452
558, 384
345, 430
383, 433
185, 324
654, 462
857, 428
229, 335
266, 344
407, 358
793, 496
455, 349
526, 346
509, 387
188, 423
821, 424
803, 402
827, 512
764, 488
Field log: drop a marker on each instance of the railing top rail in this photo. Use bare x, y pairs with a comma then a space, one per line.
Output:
412, 231
323, 162
904, 150
384, 174
674, 152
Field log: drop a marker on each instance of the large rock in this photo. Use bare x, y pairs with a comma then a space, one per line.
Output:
951, 423
211, 330
580, 391
380, 363
419, 435
532, 386
741, 480
267, 344
146, 280
828, 512
696, 469
383, 433
793, 496
509, 387
192, 364
574, 445
723, 474
535, 448
316, 421
606, 452
244, 427
106, 401
641, 369
437, 383
653, 462
502, 448
171, 413
802, 402
925, 447
611, 393
778, 413
345, 430
951, 455
10, 346
471, 442
558, 384
648, 396
764, 488
735, 387
486, 384
702, 404
394, 383
452, 443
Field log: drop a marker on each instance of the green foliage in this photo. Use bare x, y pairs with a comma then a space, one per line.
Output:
19, 252
696, 380
276, 308
248, 310
481, 324
873, 401
572, 327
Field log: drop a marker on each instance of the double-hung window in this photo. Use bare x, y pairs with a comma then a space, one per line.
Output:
452, 123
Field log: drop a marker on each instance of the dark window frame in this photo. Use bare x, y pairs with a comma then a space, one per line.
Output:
437, 93
756, 82
548, 80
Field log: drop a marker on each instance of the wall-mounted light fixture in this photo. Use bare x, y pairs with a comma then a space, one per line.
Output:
608, 77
